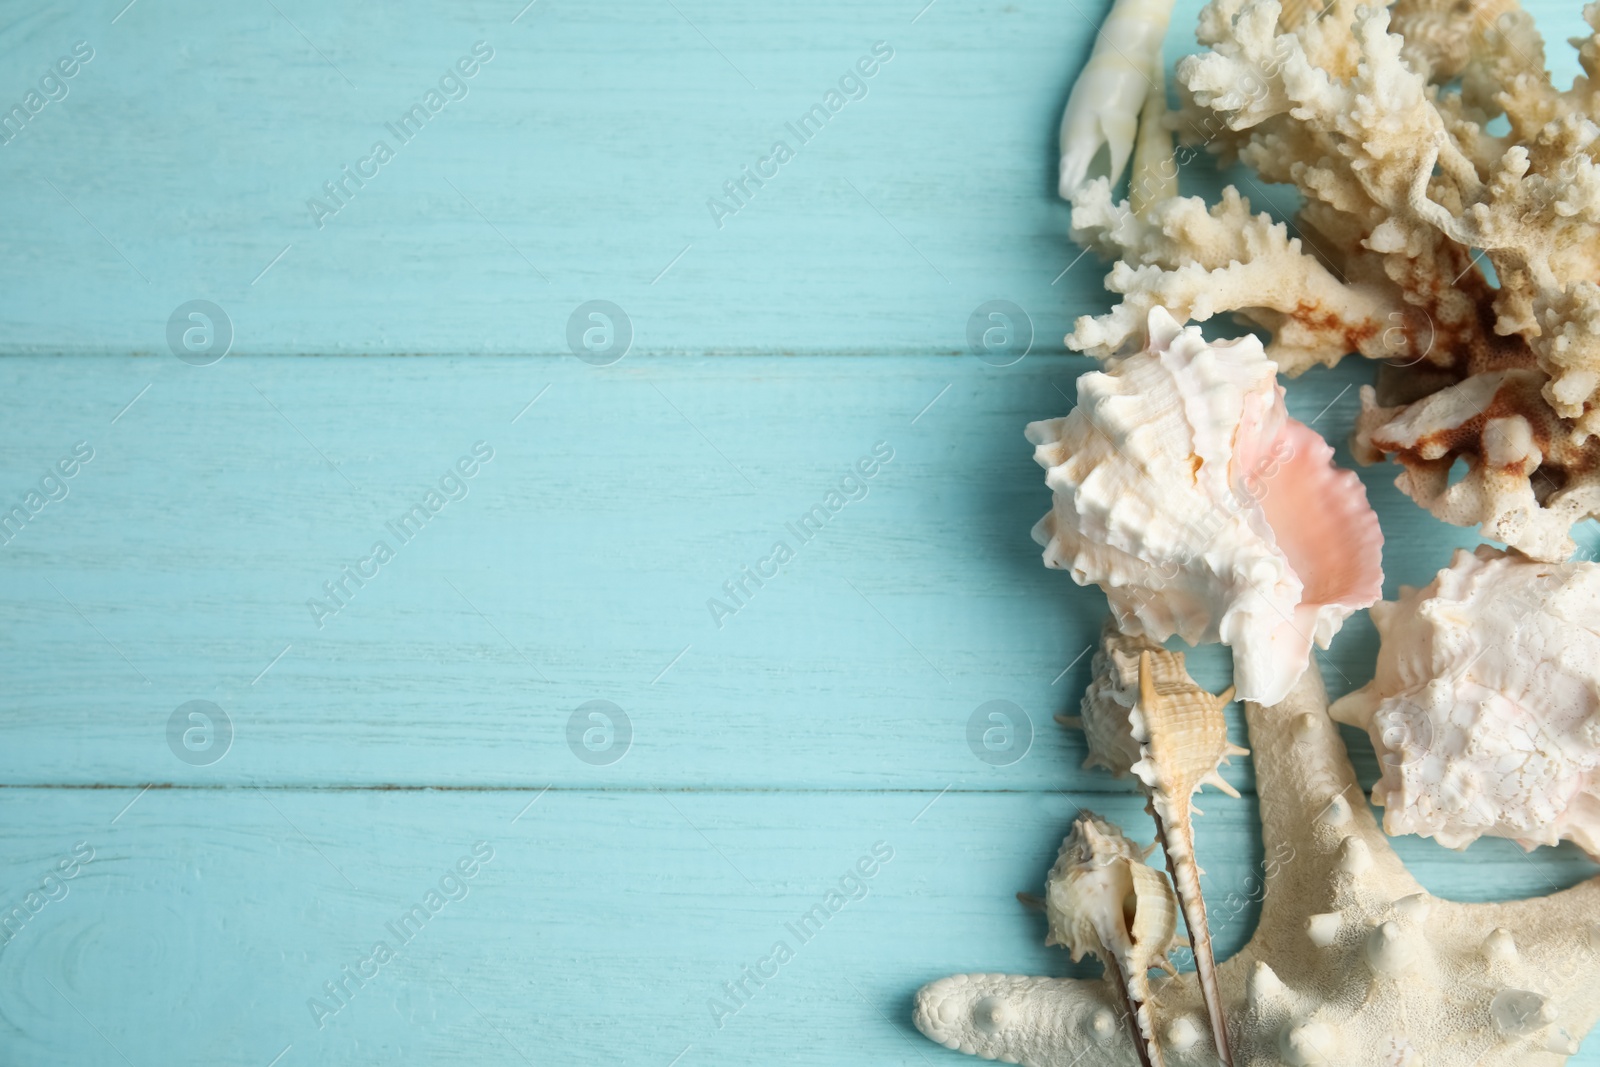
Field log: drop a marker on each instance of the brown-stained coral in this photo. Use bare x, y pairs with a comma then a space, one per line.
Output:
1466, 260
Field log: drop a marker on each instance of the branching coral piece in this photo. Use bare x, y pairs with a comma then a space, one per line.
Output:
1451, 253
1511, 489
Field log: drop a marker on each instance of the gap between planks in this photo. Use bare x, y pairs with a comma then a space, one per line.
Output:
434, 788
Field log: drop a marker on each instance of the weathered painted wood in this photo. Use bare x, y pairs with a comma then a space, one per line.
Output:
578, 567
177, 568
599, 931
830, 713
577, 166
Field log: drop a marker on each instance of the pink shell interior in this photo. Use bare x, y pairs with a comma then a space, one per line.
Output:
1322, 523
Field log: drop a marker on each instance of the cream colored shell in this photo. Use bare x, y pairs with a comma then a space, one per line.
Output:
1143, 715
1352, 962
1485, 709
1103, 900
1183, 737
1183, 490
1110, 700
1099, 900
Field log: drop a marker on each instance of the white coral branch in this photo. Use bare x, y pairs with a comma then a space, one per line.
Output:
1422, 240
1199, 262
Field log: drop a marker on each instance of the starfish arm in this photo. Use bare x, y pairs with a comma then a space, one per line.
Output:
1549, 946
1352, 961
1317, 832
1038, 1022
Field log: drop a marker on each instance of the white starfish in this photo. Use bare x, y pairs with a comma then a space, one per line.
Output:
1353, 963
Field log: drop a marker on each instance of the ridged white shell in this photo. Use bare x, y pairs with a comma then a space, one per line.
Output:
1103, 900
1143, 715
1183, 738
1184, 490
1105, 715
1087, 895
1486, 705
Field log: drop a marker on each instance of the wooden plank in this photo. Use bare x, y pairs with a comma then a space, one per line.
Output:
597, 933
188, 543
578, 165
830, 713
578, 567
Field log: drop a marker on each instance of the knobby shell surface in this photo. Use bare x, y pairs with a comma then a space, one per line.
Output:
1143, 715
1183, 736
1109, 701
1352, 962
1486, 704
1103, 900
1183, 489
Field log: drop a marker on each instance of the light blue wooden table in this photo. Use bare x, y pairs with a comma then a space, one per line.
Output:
382, 725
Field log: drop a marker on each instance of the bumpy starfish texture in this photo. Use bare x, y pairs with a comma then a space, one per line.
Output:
1352, 963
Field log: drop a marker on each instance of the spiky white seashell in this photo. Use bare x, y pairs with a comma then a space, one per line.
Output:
1143, 715
1103, 900
1183, 739
1110, 702
1184, 490
1486, 703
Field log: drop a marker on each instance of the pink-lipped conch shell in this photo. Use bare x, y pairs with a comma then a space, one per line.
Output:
1184, 490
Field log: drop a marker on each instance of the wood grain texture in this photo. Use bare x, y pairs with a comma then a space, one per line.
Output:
432, 710
579, 566
600, 931
577, 166
830, 712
